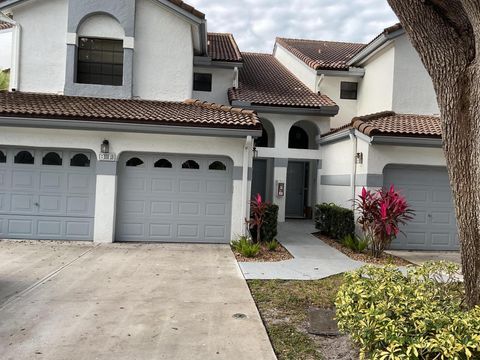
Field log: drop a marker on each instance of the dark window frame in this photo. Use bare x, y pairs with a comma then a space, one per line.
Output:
3, 157
80, 160
204, 84
52, 158
135, 162
190, 165
348, 90
163, 164
104, 60
24, 157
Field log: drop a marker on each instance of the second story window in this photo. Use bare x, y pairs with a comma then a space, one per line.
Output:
100, 61
348, 90
202, 82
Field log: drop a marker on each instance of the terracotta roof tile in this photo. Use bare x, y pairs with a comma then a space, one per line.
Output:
390, 123
187, 113
322, 55
5, 25
263, 80
223, 47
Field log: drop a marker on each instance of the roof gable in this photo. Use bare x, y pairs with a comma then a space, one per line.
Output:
223, 47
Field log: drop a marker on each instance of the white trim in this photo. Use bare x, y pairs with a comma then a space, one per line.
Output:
71, 38
128, 42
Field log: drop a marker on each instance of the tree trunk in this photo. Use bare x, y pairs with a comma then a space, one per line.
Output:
446, 34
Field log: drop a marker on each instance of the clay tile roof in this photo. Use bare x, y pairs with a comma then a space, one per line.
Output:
188, 8
4, 25
223, 47
263, 80
187, 113
390, 123
322, 55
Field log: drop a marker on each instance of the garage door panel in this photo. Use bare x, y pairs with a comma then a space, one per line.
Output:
23, 180
428, 192
181, 205
163, 185
161, 208
52, 202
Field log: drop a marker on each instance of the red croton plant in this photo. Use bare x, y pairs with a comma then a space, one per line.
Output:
258, 209
381, 214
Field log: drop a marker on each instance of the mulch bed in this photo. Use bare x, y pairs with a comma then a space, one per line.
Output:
265, 255
384, 259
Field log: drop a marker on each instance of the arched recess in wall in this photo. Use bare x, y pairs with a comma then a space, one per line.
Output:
268, 135
302, 135
101, 26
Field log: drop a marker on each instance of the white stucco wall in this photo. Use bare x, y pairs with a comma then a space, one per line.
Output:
330, 86
5, 49
336, 161
222, 80
376, 88
163, 60
413, 91
42, 45
301, 70
233, 148
381, 155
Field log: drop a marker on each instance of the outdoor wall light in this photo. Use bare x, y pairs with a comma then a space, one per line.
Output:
105, 147
359, 158
255, 152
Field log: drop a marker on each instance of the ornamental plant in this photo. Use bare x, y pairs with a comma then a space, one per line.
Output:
419, 315
258, 209
381, 214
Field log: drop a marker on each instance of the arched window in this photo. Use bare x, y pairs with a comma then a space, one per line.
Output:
163, 163
52, 158
80, 160
190, 164
263, 140
134, 162
24, 157
217, 165
297, 138
3, 157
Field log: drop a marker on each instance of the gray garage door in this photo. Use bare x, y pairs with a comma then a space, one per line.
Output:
47, 194
428, 192
174, 198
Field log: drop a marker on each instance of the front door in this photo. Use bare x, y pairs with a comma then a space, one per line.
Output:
259, 178
295, 201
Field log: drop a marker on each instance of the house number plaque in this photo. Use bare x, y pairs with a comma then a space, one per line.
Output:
107, 157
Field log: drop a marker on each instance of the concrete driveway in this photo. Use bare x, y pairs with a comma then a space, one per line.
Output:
125, 301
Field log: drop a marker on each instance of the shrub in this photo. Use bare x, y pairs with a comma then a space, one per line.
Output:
4, 80
258, 209
381, 214
414, 316
245, 247
268, 230
354, 243
272, 245
334, 221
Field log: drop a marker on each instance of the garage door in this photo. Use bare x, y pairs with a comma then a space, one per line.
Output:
174, 198
428, 191
47, 194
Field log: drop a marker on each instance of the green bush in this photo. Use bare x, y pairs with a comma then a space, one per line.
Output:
245, 247
355, 243
414, 316
270, 222
272, 245
4, 80
334, 221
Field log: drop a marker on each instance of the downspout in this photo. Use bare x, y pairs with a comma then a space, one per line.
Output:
247, 150
353, 137
15, 70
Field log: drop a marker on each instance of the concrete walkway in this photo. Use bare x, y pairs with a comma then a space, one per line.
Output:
313, 258
126, 301
420, 257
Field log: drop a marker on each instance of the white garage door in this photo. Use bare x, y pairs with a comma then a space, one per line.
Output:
428, 192
174, 198
47, 194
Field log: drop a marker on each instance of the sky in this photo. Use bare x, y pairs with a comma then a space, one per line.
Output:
256, 23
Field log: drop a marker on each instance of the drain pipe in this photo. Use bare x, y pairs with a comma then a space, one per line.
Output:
354, 139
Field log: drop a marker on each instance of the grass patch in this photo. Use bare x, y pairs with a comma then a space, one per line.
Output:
284, 304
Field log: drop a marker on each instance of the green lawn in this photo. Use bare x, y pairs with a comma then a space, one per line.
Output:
284, 304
